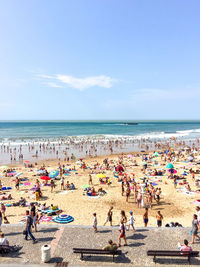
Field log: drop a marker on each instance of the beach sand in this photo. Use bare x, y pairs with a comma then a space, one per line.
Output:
175, 205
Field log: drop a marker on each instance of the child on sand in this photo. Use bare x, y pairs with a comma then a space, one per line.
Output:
95, 222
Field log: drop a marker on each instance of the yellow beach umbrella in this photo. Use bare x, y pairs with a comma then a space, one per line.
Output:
101, 175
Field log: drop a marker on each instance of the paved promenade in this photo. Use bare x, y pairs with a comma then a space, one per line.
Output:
63, 239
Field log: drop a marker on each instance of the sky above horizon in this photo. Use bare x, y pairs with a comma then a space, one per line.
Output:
108, 59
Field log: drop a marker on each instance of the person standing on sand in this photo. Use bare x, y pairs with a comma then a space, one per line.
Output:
52, 185
122, 188
159, 218
109, 216
62, 183
90, 179
128, 191
146, 217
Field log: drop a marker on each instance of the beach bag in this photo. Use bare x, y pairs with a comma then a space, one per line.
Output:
24, 232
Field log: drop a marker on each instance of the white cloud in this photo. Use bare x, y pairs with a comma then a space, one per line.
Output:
52, 84
81, 84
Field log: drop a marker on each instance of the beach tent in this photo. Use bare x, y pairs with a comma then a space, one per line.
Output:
155, 154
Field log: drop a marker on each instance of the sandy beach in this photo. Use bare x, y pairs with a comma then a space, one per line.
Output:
176, 205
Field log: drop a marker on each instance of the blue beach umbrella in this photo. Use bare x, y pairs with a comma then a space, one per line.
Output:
53, 174
64, 219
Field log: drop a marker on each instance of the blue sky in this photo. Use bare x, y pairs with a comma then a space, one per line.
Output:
99, 59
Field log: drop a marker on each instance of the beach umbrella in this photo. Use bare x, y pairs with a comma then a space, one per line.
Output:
26, 161
170, 166
64, 219
101, 175
130, 156
45, 178
155, 154
53, 174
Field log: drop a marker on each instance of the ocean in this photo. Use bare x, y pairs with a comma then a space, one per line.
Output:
42, 140
20, 131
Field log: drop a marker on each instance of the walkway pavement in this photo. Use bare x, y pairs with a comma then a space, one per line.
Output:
63, 239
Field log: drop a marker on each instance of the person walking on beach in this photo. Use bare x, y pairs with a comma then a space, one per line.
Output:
95, 222
146, 217
159, 218
109, 216
194, 228
29, 222
122, 234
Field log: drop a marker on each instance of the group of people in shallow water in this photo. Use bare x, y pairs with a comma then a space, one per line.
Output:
66, 148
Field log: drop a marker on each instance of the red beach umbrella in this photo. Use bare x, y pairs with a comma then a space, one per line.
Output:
45, 178
26, 161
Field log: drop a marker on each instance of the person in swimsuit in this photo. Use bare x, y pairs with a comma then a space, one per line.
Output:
159, 218
122, 234
109, 216
146, 217
90, 179
128, 191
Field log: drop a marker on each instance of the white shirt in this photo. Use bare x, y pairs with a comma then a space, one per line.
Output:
131, 220
198, 215
3, 241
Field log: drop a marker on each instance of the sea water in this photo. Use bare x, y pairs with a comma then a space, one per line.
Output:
62, 133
